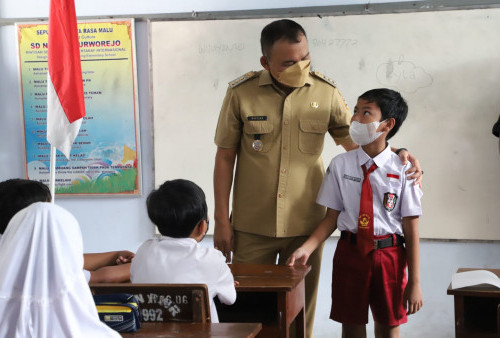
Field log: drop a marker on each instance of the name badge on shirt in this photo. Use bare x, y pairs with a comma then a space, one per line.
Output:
257, 118
351, 178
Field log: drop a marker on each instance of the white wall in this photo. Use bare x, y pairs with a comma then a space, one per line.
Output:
40, 8
122, 223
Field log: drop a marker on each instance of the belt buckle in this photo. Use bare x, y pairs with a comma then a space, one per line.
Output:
375, 244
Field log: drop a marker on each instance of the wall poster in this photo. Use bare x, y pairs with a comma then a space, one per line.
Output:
105, 156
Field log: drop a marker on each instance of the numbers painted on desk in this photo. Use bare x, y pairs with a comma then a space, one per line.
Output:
166, 300
172, 303
152, 315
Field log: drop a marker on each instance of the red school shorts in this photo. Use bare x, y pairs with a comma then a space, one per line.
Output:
377, 280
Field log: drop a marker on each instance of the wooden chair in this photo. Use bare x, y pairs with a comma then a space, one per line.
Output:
164, 302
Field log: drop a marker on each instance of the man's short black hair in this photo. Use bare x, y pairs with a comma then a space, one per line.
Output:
16, 194
391, 104
277, 30
176, 207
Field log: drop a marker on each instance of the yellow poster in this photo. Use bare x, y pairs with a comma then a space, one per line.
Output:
105, 155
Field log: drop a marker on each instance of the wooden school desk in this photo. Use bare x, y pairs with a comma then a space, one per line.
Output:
273, 295
477, 309
196, 330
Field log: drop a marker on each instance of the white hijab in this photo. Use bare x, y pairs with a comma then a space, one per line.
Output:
43, 292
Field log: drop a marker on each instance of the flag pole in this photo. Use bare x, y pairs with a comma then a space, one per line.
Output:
52, 182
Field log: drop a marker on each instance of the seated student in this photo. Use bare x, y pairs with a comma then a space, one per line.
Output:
16, 194
179, 210
43, 292
373, 204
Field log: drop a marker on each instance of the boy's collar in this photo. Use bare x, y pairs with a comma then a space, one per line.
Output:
160, 237
379, 160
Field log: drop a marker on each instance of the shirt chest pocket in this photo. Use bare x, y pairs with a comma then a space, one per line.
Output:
389, 194
312, 136
258, 131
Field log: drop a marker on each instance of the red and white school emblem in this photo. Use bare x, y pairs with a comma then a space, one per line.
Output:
390, 200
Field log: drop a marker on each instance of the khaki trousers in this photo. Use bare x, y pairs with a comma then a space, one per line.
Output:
258, 249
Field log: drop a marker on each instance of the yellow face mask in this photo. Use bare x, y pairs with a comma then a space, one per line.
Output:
296, 75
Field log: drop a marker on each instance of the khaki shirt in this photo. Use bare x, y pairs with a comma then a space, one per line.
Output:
275, 189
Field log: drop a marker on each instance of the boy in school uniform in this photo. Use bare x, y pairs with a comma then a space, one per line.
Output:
179, 211
370, 200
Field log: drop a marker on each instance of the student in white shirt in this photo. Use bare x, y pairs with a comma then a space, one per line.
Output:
179, 210
371, 276
43, 292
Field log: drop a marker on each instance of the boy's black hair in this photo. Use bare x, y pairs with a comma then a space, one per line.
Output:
391, 104
277, 30
176, 207
16, 194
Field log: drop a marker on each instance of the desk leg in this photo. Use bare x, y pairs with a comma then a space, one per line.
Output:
295, 310
283, 316
459, 317
498, 320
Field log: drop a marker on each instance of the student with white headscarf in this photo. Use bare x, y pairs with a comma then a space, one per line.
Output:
43, 292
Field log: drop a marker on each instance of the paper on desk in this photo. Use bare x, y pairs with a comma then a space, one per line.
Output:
475, 277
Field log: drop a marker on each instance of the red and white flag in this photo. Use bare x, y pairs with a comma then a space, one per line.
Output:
65, 100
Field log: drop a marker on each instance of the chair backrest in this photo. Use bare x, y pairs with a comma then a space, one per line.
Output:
164, 302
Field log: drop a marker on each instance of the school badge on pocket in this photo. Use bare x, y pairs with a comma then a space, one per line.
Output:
119, 311
390, 200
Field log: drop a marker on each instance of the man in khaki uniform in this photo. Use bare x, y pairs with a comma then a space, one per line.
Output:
274, 122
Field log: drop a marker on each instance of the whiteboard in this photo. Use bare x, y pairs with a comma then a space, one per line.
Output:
446, 64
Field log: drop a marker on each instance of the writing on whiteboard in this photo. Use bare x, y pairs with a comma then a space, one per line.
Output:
221, 47
333, 43
403, 75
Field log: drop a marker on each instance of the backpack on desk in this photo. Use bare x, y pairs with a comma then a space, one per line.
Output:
120, 311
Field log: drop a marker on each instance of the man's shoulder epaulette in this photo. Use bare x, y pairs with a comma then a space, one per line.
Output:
245, 77
324, 78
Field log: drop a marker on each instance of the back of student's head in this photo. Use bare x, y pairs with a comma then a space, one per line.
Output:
176, 207
277, 30
391, 104
17, 194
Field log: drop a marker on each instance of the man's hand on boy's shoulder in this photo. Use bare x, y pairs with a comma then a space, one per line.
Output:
415, 172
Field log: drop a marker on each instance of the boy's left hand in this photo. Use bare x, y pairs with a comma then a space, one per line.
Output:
412, 298
415, 172
298, 257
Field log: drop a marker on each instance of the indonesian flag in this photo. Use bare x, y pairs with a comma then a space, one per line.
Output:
65, 102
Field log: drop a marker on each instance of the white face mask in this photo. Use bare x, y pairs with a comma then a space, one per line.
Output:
364, 134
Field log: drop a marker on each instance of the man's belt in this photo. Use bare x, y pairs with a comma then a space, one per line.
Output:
394, 240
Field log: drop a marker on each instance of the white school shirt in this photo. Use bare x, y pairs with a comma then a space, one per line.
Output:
165, 259
43, 292
394, 196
